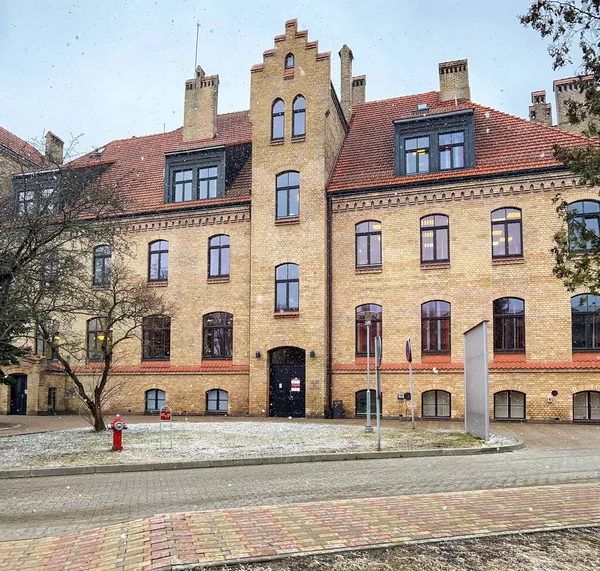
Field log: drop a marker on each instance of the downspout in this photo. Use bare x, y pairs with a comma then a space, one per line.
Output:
329, 308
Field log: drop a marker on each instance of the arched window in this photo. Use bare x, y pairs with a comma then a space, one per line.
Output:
584, 224
299, 117
96, 339
509, 325
435, 327
217, 401
156, 338
218, 256
435, 404
287, 288
361, 402
586, 405
277, 120
155, 400
585, 322
434, 239
289, 61
509, 404
507, 233
368, 315
217, 335
368, 244
158, 261
102, 262
288, 195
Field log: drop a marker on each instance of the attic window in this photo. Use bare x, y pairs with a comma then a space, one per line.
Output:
98, 153
422, 107
289, 61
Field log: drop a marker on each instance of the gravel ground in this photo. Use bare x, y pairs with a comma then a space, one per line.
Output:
213, 440
569, 550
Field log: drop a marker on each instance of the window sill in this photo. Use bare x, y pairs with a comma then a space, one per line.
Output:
218, 280
283, 314
157, 284
369, 270
508, 357
435, 266
216, 361
100, 286
288, 74
433, 358
507, 261
287, 221
586, 355
155, 362
299, 139
275, 142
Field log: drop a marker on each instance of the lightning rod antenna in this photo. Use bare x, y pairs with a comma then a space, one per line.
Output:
196, 65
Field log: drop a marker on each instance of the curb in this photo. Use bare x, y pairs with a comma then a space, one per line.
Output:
230, 462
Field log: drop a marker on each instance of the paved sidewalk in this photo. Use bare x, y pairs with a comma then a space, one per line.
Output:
180, 540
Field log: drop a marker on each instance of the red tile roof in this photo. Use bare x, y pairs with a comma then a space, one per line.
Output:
138, 163
20, 147
503, 143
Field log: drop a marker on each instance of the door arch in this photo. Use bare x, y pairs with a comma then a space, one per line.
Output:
287, 385
18, 394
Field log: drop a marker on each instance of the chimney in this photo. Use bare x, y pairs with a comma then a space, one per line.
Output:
200, 106
540, 111
346, 58
454, 80
359, 86
54, 149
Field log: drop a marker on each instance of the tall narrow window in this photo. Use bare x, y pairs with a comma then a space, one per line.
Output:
416, 155
218, 256
217, 401
435, 327
509, 405
289, 61
368, 244
586, 405
585, 322
452, 150
288, 195
509, 325
435, 404
155, 400
182, 185
277, 120
97, 341
207, 182
156, 338
287, 286
299, 117
584, 226
368, 316
507, 233
217, 335
434, 239
158, 261
102, 261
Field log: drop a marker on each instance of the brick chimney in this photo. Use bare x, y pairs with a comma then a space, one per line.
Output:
54, 149
539, 110
359, 86
200, 106
454, 80
346, 88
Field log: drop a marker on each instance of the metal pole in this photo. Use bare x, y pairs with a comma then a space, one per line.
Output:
368, 428
412, 396
378, 391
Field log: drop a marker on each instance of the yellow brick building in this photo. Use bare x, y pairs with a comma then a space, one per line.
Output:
278, 232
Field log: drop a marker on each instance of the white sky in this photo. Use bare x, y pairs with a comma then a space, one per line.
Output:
113, 69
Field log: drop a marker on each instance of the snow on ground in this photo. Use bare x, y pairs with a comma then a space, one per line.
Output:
214, 440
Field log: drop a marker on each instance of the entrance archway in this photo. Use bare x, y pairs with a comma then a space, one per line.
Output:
18, 394
287, 390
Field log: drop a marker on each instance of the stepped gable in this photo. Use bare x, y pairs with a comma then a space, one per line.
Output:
138, 164
503, 143
21, 148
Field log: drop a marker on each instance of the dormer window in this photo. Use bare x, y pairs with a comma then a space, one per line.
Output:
289, 61
435, 143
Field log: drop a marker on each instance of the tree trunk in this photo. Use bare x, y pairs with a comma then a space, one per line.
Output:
96, 410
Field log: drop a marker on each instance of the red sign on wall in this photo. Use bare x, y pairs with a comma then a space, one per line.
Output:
295, 385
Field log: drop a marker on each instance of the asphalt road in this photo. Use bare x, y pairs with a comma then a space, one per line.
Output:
40, 507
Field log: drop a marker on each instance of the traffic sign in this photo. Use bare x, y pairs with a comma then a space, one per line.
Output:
408, 351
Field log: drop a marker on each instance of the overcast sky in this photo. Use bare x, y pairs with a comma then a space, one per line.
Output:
109, 70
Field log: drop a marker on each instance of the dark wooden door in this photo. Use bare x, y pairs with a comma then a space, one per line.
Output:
18, 395
287, 393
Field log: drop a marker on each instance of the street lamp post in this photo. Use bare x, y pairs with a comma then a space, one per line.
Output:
368, 317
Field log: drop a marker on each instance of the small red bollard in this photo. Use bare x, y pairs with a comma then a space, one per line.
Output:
117, 426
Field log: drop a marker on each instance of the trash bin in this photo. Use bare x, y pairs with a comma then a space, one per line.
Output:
338, 409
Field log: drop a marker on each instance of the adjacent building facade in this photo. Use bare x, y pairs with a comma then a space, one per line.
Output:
288, 236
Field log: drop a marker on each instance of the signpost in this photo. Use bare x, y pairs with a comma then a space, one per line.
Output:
412, 400
378, 388
165, 416
368, 428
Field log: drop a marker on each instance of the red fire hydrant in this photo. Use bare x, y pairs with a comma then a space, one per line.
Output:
117, 426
